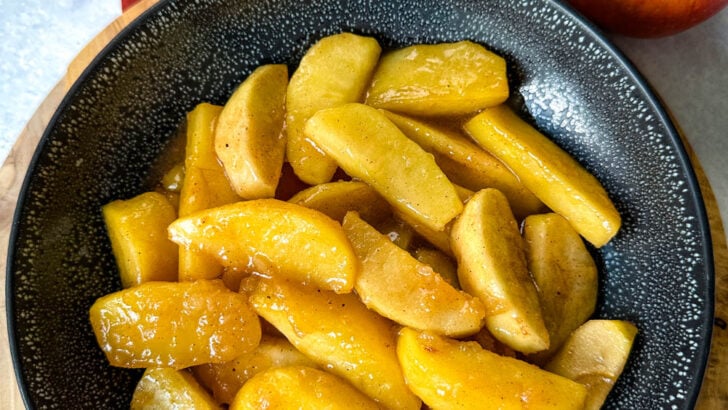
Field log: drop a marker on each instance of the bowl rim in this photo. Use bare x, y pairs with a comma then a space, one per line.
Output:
596, 34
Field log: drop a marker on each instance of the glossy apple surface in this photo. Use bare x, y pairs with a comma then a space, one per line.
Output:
648, 18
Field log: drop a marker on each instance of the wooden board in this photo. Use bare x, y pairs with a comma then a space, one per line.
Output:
714, 394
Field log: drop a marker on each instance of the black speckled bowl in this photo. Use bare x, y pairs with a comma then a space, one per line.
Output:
566, 78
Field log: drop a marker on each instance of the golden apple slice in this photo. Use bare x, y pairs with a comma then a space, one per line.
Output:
486, 340
200, 155
171, 197
249, 138
399, 287
194, 265
200, 133
449, 374
225, 379
565, 276
204, 189
463, 193
440, 263
174, 324
174, 178
548, 171
137, 228
340, 333
167, 388
200, 193
272, 237
368, 146
205, 186
300, 387
439, 79
492, 266
467, 164
439, 239
594, 355
336, 70
335, 199
398, 231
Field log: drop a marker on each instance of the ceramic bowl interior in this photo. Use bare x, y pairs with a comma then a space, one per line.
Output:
565, 78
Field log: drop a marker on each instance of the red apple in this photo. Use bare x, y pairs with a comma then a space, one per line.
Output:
125, 4
647, 18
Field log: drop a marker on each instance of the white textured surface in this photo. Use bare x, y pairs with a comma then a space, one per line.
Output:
39, 40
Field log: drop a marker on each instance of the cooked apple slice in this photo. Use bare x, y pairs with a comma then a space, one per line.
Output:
300, 387
340, 333
167, 388
203, 189
173, 179
211, 187
137, 228
439, 79
335, 199
200, 192
249, 138
449, 374
272, 237
463, 193
370, 147
439, 239
398, 231
548, 171
440, 262
205, 186
225, 379
594, 355
565, 275
486, 340
336, 70
174, 324
399, 287
467, 164
492, 266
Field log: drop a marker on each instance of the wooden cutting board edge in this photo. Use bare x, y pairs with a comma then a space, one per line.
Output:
714, 392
